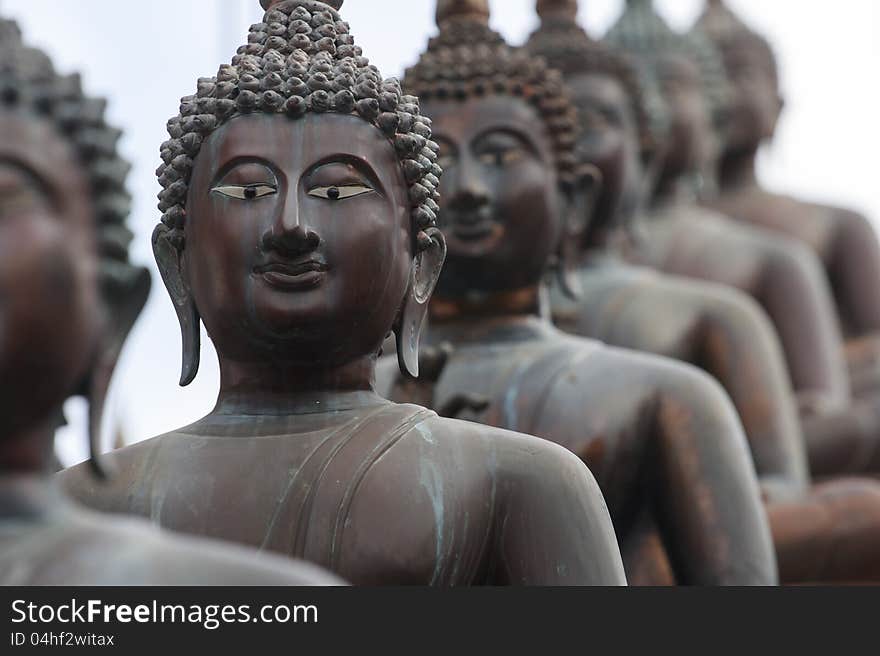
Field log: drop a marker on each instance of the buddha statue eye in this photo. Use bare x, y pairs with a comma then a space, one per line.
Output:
246, 192
340, 193
502, 157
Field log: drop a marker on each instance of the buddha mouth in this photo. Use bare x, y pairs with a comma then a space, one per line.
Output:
474, 239
293, 275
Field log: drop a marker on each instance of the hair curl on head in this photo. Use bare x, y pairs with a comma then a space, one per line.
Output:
642, 34
565, 46
468, 59
301, 58
28, 81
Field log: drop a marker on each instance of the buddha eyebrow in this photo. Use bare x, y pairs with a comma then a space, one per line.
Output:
235, 162
523, 137
345, 159
43, 184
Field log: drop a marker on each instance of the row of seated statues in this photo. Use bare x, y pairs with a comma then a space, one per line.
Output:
526, 317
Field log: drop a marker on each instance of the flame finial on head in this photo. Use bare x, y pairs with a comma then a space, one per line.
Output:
471, 10
557, 8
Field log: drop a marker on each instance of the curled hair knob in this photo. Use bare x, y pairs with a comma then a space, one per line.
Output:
268, 4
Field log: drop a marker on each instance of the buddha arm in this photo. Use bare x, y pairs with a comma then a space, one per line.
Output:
795, 293
736, 343
706, 490
845, 441
854, 273
552, 527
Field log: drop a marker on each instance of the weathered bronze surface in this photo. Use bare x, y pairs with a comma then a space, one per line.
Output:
68, 296
301, 244
632, 307
844, 241
661, 437
677, 235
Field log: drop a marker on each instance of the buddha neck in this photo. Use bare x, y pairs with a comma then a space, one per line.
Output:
249, 388
29, 451
674, 191
477, 305
29, 496
737, 169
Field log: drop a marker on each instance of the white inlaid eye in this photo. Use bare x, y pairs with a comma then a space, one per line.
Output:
340, 193
246, 192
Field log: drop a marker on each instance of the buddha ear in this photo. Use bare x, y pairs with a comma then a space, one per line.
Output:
579, 203
125, 290
168, 249
427, 265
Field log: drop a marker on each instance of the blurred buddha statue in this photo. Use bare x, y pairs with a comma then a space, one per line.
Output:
822, 533
677, 235
68, 297
719, 329
515, 200
845, 242
299, 204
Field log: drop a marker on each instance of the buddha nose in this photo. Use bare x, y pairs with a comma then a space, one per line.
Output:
288, 235
466, 190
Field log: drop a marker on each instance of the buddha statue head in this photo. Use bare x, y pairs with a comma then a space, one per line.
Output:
688, 72
755, 101
68, 293
618, 124
506, 131
299, 202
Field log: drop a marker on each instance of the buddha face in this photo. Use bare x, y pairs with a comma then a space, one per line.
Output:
755, 105
691, 136
49, 305
298, 238
610, 141
501, 209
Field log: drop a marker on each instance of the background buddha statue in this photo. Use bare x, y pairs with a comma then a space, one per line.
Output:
299, 205
844, 241
631, 311
68, 296
512, 192
841, 433
679, 236
714, 327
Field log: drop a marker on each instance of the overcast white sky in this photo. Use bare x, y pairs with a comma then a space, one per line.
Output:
143, 56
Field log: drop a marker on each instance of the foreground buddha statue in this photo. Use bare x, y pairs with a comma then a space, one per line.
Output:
844, 241
842, 544
299, 224
506, 133
68, 297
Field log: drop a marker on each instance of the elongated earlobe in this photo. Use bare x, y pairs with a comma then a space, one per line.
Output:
168, 256
580, 203
427, 266
100, 374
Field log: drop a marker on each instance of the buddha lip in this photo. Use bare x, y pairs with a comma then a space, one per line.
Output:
467, 231
292, 275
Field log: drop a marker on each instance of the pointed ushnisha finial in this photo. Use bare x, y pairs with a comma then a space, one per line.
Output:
268, 4
557, 9
472, 10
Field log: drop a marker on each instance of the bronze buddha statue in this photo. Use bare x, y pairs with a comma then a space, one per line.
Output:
626, 305
842, 433
512, 192
299, 200
68, 297
717, 328
845, 242
677, 235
